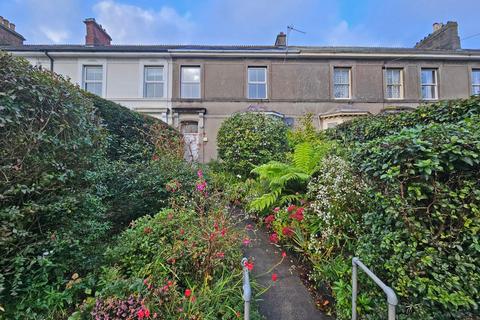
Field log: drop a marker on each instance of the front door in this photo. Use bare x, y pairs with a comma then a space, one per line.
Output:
191, 137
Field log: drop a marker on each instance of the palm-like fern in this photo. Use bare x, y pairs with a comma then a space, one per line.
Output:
276, 176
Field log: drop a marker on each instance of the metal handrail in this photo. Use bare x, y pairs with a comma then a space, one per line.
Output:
391, 296
247, 290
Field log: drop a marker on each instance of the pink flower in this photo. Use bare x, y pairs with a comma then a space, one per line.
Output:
269, 219
188, 293
246, 241
274, 277
147, 313
287, 231
284, 254
201, 186
220, 255
276, 209
223, 232
274, 238
141, 314
291, 208
249, 227
200, 173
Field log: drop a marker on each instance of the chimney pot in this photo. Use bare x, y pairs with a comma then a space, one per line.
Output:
8, 35
437, 26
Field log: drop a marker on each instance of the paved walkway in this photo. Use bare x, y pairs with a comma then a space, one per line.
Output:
287, 299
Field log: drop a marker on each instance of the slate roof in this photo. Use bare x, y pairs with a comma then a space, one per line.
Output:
231, 48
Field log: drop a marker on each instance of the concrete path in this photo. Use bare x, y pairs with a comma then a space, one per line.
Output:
288, 298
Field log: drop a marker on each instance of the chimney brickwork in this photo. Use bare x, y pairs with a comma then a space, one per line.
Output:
8, 35
444, 36
96, 35
281, 40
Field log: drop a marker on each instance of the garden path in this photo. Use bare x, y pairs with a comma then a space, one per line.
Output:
287, 298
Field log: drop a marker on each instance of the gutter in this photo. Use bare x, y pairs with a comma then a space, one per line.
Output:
51, 60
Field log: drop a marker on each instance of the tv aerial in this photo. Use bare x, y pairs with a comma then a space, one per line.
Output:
290, 28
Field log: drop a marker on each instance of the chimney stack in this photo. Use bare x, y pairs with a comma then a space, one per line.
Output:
281, 40
8, 35
443, 37
96, 35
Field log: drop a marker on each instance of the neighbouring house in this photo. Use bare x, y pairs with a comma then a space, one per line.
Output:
196, 87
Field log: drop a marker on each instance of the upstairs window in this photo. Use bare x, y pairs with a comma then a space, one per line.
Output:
476, 81
190, 83
429, 84
342, 83
93, 79
153, 82
257, 83
393, 83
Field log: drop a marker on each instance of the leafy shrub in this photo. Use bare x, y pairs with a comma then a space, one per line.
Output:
249, 139
69, 179
369, 128
133, 136
49, 140
423, 233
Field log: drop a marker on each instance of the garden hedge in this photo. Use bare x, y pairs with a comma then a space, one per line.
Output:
246, 140
72, 173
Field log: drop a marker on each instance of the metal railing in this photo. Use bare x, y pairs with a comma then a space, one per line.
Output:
391, 296
247, 290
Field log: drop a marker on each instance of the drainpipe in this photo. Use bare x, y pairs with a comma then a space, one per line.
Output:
51, 60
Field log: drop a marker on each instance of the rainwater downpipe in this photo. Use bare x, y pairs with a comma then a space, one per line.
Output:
51, 60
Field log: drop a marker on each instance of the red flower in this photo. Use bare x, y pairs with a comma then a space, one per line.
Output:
249, 265
274, 277
269, 219
141, 314
182, 232
192, 299
274, 238
298, 215
224, 232
147, 313
284, 254
155, 157
276, 209
287, 231
220, 255
169, 283
188, 293
291, 208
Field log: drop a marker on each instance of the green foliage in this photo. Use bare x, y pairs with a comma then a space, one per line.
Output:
133, 136
69, 180
283, 182
246, 140
304, 132
424, 231
371, 127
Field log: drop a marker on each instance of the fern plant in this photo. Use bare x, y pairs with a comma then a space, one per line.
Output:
283, 180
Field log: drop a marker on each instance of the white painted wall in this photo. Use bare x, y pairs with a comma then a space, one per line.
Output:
123, 78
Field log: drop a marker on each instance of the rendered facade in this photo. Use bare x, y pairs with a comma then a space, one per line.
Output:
195, 88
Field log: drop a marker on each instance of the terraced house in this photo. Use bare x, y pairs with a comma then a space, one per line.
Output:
196, 87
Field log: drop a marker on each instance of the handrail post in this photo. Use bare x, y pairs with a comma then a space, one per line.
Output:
391, 296
354, 290
247, 290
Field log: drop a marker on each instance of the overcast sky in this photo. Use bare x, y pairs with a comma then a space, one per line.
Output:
399, 23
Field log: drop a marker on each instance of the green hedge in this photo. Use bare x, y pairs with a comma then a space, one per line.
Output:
371, 127
246, 140
72, 173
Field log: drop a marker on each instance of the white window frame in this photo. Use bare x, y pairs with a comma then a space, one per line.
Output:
81, 63
434, 85
84, 77
191, 82
349, 83
400, 85
264, 68
145, 81
475, 84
